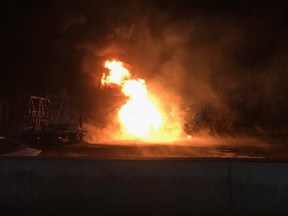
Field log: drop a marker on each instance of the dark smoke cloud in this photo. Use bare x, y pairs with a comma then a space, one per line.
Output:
230, 55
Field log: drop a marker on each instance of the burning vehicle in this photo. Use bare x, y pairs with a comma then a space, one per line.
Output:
133, 114
141, 115
45, 119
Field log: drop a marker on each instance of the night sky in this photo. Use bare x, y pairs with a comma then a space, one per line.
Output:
232, 54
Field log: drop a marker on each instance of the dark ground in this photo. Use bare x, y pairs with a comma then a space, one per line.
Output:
198, 147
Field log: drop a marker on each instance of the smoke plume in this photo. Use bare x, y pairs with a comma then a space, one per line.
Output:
229, 57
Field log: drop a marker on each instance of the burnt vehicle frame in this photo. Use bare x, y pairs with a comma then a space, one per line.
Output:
214, 119
43, 119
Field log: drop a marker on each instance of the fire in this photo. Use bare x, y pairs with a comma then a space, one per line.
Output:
118, 73
139, 116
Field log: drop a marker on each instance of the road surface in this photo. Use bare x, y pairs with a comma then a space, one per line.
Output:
197, 147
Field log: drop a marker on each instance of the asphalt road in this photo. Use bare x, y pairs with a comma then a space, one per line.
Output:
197, 147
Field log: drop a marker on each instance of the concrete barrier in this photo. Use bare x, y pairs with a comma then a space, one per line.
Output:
259, 188
142, 187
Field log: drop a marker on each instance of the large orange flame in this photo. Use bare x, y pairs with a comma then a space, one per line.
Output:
139, 116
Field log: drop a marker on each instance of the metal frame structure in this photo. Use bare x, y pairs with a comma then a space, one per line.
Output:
39, 112
49, 118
